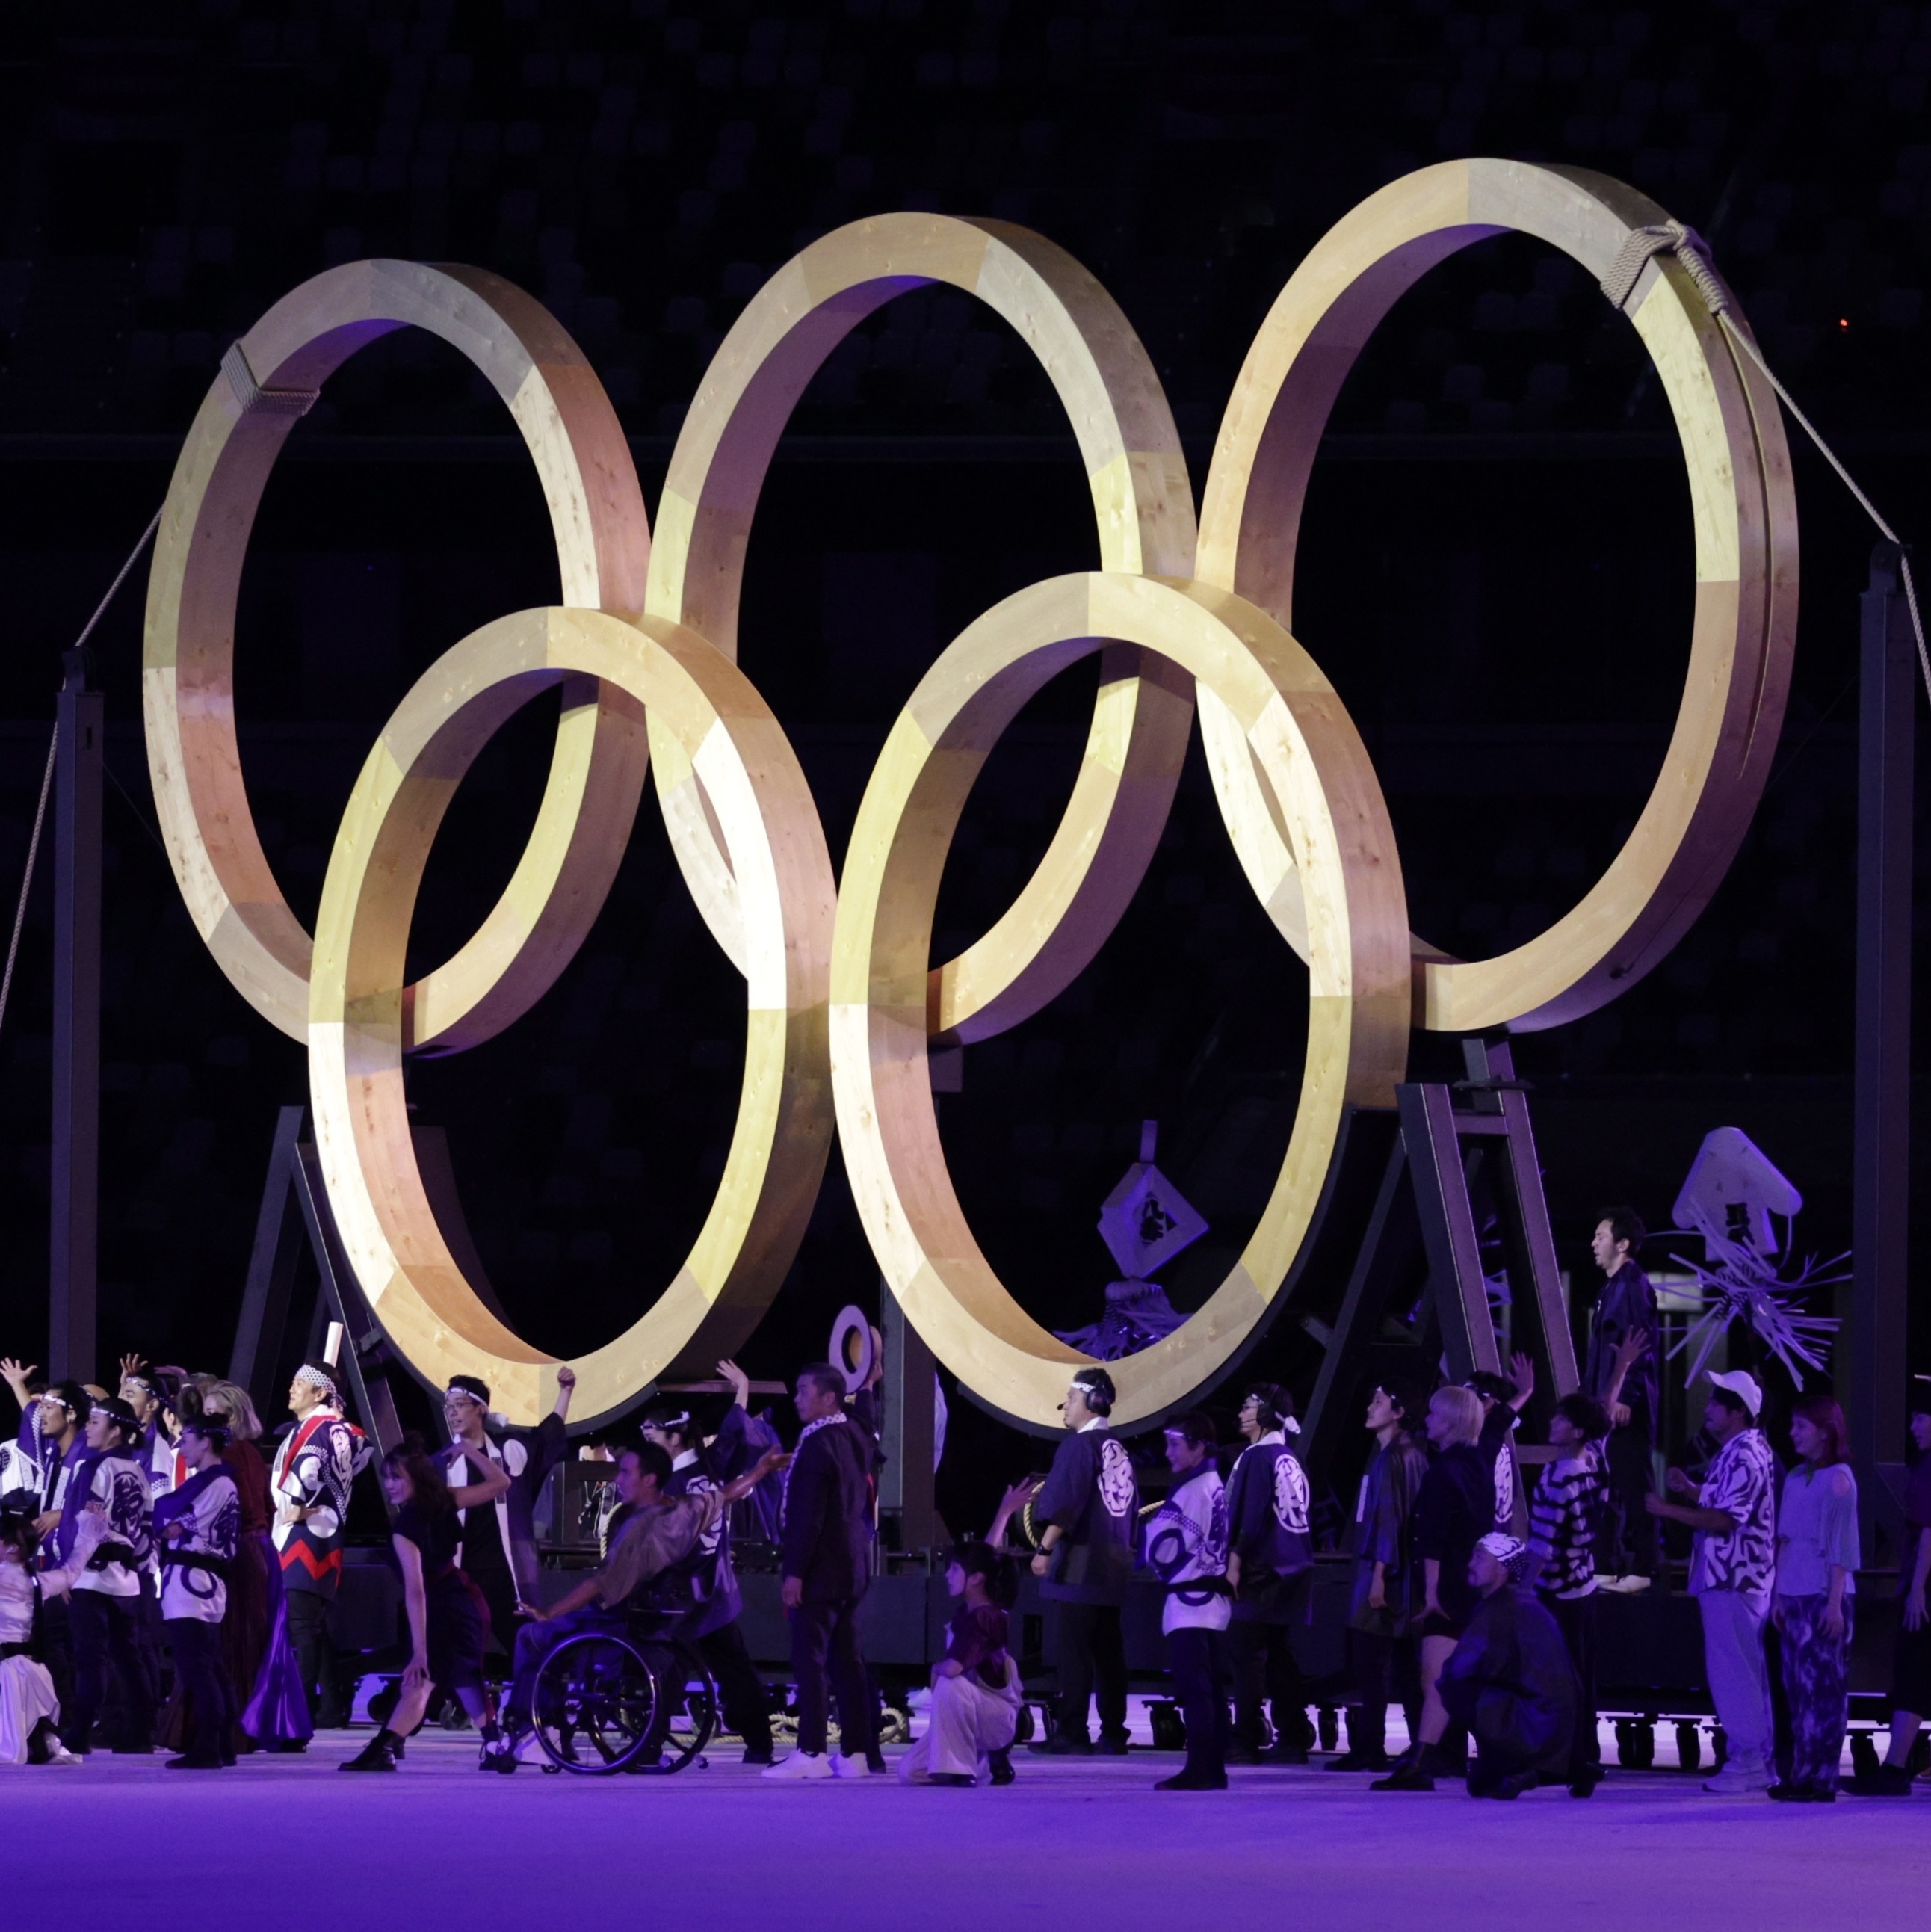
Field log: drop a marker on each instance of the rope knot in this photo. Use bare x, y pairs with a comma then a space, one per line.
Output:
1641, 245
254, 399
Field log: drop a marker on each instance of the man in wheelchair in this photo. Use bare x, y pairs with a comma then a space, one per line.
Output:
659, 1536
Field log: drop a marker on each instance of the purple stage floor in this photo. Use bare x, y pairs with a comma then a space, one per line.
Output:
1088, 1841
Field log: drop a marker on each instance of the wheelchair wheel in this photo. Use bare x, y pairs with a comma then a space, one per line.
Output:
688, 1700
598, 1706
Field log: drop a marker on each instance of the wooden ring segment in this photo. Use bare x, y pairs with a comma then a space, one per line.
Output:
603, 550
1303, 742
1731, 433
355, 1027
1143, 505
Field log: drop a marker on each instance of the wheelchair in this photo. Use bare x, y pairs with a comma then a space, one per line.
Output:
634, 1698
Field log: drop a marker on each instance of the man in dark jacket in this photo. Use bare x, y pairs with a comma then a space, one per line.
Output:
1509, 1680
825, 1556
1089, 1507
1270, 1569
1626, 1303
1386, 1604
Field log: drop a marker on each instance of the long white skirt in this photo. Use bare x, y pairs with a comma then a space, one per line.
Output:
967, 1722
26, 1696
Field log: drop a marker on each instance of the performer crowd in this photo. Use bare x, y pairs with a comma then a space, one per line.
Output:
148, 1521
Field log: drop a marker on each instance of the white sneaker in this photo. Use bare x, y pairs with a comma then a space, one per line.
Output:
848, 1767
60, 1754
801, 1765
1736, 1780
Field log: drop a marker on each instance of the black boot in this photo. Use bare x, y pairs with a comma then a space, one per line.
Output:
1415, 1773
1001, 1762
380, 1753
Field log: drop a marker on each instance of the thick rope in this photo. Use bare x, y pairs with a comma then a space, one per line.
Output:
47, 776
1672, 238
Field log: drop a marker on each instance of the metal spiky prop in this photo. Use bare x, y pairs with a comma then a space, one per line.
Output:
1733, 1199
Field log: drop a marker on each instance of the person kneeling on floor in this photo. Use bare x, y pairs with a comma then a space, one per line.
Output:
1510, 1680
660, 1532
975, 1685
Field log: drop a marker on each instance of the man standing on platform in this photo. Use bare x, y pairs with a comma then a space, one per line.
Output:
498, 1551
1088, 1505
1630, 1550
314, 1469
1731, 1573
826, 1557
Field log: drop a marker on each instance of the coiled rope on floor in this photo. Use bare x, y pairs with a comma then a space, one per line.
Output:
1674, 238
47, 776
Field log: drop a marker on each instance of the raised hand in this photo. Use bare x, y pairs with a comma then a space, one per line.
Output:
132, 1365
17, 1376
1522, 1368
740, 1384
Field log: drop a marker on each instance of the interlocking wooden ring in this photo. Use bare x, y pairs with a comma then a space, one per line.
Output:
1142, 501
603, 549
1302, 739
1745, 528
697, 698
645, 660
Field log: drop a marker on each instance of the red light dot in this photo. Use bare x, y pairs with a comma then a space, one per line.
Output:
1843, 322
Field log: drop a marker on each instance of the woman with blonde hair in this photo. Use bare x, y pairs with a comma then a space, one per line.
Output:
1455, 1508
255, 1578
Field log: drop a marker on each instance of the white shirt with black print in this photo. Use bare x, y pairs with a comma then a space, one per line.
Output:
1741, 1482
214, 1531
1186, 1544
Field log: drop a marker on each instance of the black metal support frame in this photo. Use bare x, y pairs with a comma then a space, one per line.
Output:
1881, 1185
1451, 1140
75, 1166
294, 1214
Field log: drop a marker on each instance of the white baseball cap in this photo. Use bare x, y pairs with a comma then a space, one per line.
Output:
1742, 1384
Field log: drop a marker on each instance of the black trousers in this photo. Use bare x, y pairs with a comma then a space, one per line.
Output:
210, 1698
741, 1692
1575, 1618
314, 1655
1386, 1670
499, 1589
1627, 1543
1198, 1658
825, 1659
1266, 1673
106, 1635
1092, 1659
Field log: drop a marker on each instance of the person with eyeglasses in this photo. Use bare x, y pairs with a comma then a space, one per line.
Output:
1089, 1504
497, 1548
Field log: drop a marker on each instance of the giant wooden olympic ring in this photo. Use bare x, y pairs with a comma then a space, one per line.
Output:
603, 550
1301, 800
1745, 513
699, 699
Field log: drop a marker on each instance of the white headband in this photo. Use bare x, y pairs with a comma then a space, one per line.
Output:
313, 1377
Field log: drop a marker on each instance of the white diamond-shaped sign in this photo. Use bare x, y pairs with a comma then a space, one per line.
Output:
1147, 1219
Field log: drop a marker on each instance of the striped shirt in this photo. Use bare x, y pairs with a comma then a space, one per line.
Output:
1562, 1522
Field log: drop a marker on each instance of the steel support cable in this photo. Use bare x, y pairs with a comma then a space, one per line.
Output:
47, 776
1674, 238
